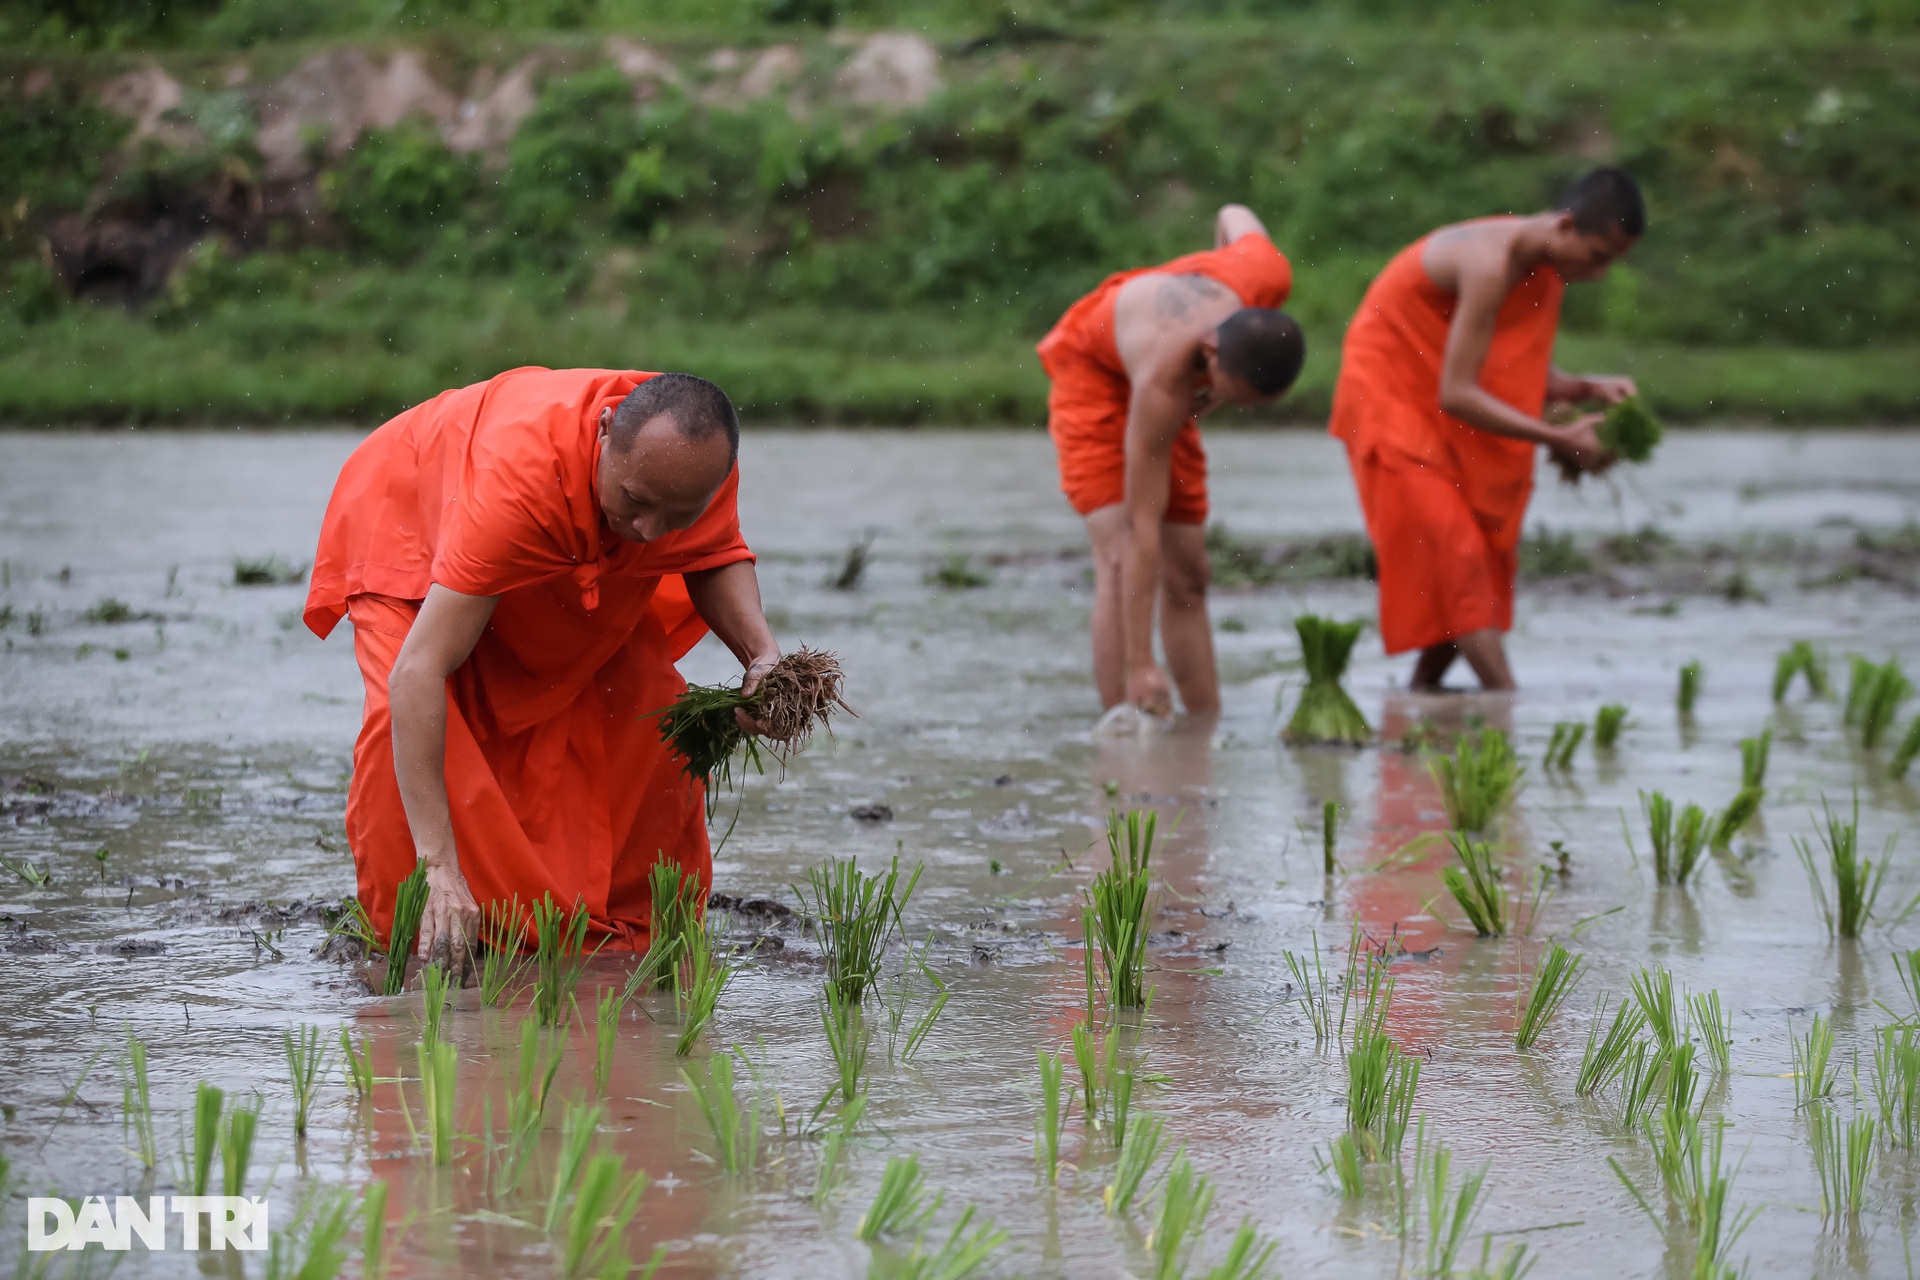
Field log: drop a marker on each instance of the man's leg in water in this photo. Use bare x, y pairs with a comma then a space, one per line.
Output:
1186, 632
1484, 652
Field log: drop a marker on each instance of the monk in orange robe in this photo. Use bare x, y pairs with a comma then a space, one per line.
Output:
1135, 365
1447, 367
524, 560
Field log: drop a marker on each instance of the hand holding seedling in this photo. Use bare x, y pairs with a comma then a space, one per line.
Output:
1148, 689
1577, 448
451, 921
756, 672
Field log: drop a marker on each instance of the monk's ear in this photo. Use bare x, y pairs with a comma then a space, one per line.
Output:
606, 421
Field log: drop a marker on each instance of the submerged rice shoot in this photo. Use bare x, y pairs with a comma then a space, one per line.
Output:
1629, 430
1477, 778
1566, 739
1607, 723
1753, 759
1799, 659
1886, 689
1689, 692
1477, 886
1679, 839
1856, 880
1325, 713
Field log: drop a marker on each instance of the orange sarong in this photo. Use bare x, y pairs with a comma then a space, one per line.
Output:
557, 777
1088, 403
1444, 501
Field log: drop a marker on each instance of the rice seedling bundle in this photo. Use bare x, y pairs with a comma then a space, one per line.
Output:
1896, 1083
503, 948
1553, 981
1381, 1080
854, 915
901, 1204
1689, 692
1814, 1070
1607, 723
1137, 1156
1799, 659
1904, 754
1753, 759
736, 1134
1641, 1073
1186, 1197
1738, 813
409, 905
1606, 1056
1476, 885
707, 974
559, 958
577, 1130
137, 1105
1055, 1101
1477, 778
1629, 430
1888, 689
1566, 739
1666, 1015
306, 1056
1843, 1157
1325, 713
1679, 841
237, 1131
1856, 880
798, 695
207, 1103
603, 1205
1862, 674
1114, 921
439, 1064
358, 1064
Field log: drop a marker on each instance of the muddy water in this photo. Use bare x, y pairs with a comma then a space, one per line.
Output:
203, 745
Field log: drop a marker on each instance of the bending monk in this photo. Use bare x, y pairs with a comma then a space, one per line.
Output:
1446, 369
524, 560
1135, 364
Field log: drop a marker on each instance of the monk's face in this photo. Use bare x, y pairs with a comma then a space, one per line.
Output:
1222, 387
1584, 255
662, 482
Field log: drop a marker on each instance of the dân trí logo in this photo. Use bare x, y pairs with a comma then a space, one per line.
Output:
230, 1222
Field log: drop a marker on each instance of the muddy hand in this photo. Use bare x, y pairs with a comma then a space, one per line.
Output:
451, 922
1578, 446
756, 671
1147, 689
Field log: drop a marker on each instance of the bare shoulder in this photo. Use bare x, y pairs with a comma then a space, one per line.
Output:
1170, 300
1467, 252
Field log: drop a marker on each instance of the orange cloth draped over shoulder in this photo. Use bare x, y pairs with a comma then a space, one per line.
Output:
1091, 394
1444, 501
558, 780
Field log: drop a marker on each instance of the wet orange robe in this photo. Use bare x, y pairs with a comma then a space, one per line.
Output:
1444, 501
558, 780
1088, 402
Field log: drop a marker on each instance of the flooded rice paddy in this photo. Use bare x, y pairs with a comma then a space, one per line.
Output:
176, 762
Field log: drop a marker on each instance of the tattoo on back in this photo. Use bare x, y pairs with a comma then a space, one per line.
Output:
1177, 295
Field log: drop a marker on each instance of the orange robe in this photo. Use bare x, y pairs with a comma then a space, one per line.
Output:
1444, 501
1088, 402
558, 780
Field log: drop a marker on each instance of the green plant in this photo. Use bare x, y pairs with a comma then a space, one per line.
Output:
956, 573
1381, 1080
1345, 1160
1813, 1067
314, 1246
604, 1202
409, 905
1315, 996
1753, 760
1450, 1210
1606, 1056
1185, 1199
848, 1039
1329, 835
1629, 430
207, 1103
1477, 778
1799, 659
266, 571
1249, 1256
833, 1148
503, 951
674, 902
606, 1036
1678, 843
439, 1067
1714, 1023
897, 1006
237, 1131
137, 1104
1738, 813
1553, 981
1689, 692
1114, 920
1138, 1152
577, 1129
1843, 1157
1880, 703
1896, 1082
707, 974
1856, 880
434, 983
965, 1250
736, 1135
901, 1204
1477, 886
306, 1056
559, 958
854, 914
1906, 967
1665, 1013
358, 1063
526, 1105
1325, 713
1607, 723
1905, 754
373, 1231
1565, 740
1055, 1102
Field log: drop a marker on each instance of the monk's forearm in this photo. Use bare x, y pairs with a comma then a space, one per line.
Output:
1478, 408
1139, 593
728, 600
418, 700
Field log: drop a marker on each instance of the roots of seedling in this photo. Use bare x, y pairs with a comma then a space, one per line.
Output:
798, 694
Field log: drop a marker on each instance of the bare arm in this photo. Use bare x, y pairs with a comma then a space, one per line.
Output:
444, 633
728, 598
1566, 388
1234, 221
1157, 412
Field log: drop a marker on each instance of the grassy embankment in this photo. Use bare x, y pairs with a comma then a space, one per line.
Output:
860, 266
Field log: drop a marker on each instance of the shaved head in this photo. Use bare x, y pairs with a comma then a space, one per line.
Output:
699, 410
666, 451
1604, 201
1263, 348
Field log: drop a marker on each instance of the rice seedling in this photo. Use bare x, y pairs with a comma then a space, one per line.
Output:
526, 1105
1553, 981
207, 1103
1346, 1162
306, 1056
1185, 1199
137, 1104
1896, 1083
1381, 1080
707, 973
901, 1205
1477, 886
1714, 1023
833, 1148
848, 1039
1843, 1157
1906, 752
1629, 430
409, 905
854, 915
1814, 1070
1055, 1101
1665, 1014
503, 951
1566, 739
956, 572
901, 1000
1512, 1264
736, 1134
559, 958
35, 877
966, 1249
1639, 1075
439, 1066
1315, 996
359, 1064
1090, 1056
1880, 704
434, 983
1906, 967
1477, 778
606, 1036
1115, 917
1679, 843
1738, 813
1753, 759
1799, 659
1689, 692
314, 1247
1856, 880
373, 1231
266, 571
593, 1243
1138, 1153
854, 567
237, 1131
1329, 834
1450, 1211
1607, 723
577, 1129
1325, 713
1680, 1083
674, 902
796, 696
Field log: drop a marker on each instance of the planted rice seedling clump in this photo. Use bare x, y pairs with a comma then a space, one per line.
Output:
1553, 981
1814, 1070
137, 1106
1114, 920
577, 1129
1316, 996
674, 902
1450, 1209
1477, 778
1738, 813
503, 955
1345, 1161
1679, 841
559, 958
604, 1202
1629, 430
1714, 1022
848, 1039
1249, 1256
1896, 1083
237, 1131
1607, 1055
1856, 880
1477, 886
707, 973
1905, 754
306, 1056
798, 695
1138, 1153
736, 1134
1607, 723
833, 1149
1886, 687
1381, 1080
439, 1064
314, 1247
854, 914
1325, 713
1753, 759
373, 1232
1185, 1199
433, 1002
1055, 1101
1566, 739
358, 1061
901, 1204
409, 905
965, 1250
1689, 692
1799, 659
606, 1036
526, 1105
1843, 1157
207, 1103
